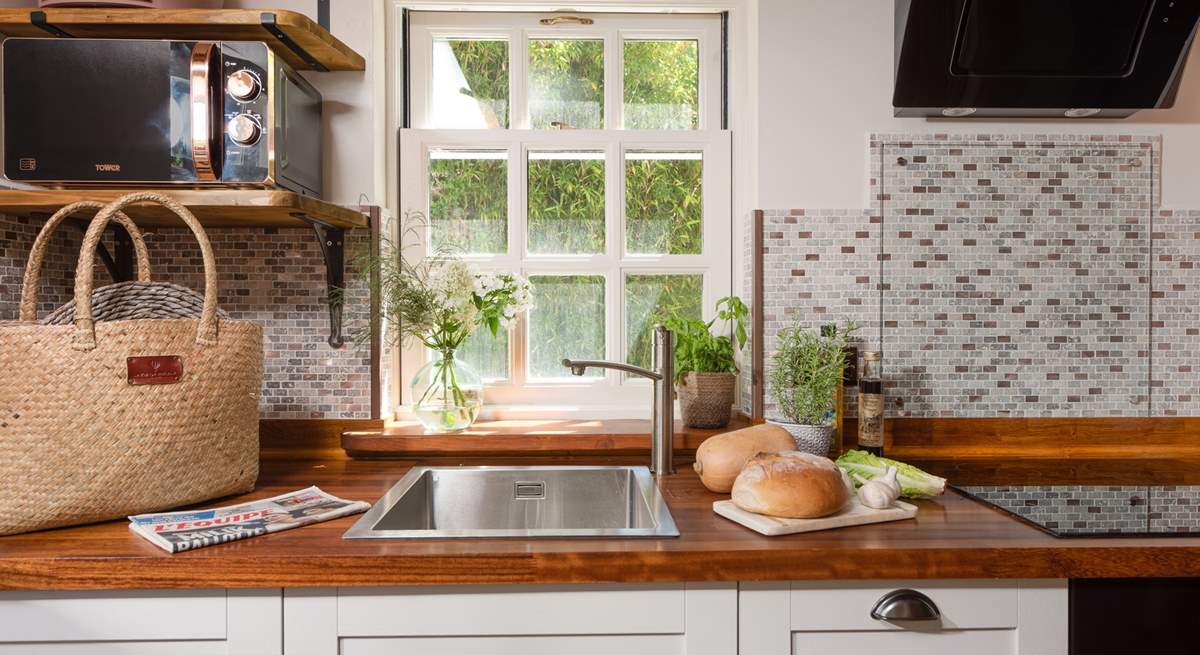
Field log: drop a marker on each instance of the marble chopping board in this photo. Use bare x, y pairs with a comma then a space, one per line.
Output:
855, 513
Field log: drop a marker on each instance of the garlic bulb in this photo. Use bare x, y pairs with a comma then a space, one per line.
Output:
881, 492
889, 478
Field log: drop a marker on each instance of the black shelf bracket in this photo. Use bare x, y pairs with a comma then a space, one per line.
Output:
269, 23
323, 13
332, 241
38, 20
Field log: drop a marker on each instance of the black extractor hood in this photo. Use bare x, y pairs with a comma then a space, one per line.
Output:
1040, 58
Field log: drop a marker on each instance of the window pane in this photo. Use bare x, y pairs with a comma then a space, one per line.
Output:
470, 84
468, 201
664, 208
651, 299
566, 203
487, 354
661, 89
566, 83
567, 321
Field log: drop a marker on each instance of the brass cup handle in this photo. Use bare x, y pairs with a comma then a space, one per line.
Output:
905, 605
556, 20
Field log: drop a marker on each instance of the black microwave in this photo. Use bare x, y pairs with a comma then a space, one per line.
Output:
104, 112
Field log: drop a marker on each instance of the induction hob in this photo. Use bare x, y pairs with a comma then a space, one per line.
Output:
1098, 510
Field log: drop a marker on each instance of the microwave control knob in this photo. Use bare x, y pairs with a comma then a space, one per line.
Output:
243, 85
244, 130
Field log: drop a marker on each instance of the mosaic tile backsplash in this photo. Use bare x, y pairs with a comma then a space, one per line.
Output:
270, 275
1100, 509
1004, 275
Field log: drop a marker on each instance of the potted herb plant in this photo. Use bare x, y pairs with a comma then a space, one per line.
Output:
704, 363
439, 300
805, 373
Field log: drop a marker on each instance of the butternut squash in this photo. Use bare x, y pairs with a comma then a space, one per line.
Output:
720, 458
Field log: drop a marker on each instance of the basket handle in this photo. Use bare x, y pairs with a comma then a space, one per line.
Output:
85, 326
37, 254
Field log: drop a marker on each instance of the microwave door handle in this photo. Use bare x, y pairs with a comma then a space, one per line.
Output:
203, 141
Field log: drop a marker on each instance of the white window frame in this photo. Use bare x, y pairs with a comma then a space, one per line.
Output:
613, 395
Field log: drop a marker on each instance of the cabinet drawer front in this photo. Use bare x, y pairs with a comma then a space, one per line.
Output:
511, 610
950, 642
118, 648
588, 645
112, 615
965, 604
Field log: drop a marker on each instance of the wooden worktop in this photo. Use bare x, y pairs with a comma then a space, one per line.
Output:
952, 537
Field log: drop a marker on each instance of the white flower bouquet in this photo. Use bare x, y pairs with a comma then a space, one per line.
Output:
441, 300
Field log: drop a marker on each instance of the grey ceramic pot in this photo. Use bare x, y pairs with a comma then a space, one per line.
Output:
814, 439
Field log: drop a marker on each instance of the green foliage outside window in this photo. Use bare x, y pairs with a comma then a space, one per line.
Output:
567, 322
664, 211
566, 84
661, 85
566, 206
485, 66
566, 197
468, 205
663, 197
651, 299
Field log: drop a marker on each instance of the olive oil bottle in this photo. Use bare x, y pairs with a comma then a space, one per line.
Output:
849, 379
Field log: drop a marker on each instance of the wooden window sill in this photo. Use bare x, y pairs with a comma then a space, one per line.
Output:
405, 439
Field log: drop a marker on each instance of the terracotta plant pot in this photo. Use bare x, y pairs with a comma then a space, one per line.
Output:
813, 439
706, 399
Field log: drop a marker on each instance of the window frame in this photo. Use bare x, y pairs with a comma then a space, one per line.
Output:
614, 394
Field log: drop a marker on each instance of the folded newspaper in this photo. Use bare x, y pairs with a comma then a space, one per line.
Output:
175, 532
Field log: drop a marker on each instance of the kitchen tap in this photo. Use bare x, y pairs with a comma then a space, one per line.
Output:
662, 429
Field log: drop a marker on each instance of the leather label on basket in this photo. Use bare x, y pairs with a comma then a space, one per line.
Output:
164, 369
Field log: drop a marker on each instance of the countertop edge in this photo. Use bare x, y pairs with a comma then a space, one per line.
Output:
234, 572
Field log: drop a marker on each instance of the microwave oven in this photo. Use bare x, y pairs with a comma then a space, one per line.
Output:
111, 112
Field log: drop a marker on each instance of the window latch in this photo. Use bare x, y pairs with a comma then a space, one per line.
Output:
578, 20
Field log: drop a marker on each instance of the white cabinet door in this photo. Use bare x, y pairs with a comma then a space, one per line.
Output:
175, 622
949, 642
671, 619
542, 645
979, 617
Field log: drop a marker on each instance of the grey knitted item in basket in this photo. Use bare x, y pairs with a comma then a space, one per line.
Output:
136, 300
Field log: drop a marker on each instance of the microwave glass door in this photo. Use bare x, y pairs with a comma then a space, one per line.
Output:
65, 101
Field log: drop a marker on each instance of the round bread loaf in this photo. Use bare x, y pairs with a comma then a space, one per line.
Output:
791, 484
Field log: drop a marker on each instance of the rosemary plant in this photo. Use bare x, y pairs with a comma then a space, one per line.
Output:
806, 371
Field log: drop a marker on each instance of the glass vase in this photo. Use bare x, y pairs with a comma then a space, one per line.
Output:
447, 394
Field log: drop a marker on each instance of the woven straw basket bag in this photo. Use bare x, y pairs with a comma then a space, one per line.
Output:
104, 418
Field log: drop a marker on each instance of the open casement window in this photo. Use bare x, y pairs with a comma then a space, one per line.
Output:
587, 157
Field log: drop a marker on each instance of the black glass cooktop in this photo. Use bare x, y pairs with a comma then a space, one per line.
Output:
1099, 511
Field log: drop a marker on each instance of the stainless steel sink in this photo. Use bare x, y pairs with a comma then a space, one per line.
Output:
519, 501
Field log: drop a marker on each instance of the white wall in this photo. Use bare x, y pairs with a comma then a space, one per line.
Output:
825, 83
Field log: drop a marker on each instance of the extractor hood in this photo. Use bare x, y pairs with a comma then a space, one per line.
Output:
1040, 58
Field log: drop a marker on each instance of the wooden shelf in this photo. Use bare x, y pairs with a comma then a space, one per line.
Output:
298, 39
214, 208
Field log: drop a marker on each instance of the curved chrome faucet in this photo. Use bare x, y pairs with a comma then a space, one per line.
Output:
662, 429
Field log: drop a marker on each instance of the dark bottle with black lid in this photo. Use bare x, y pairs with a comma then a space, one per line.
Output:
870, 404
